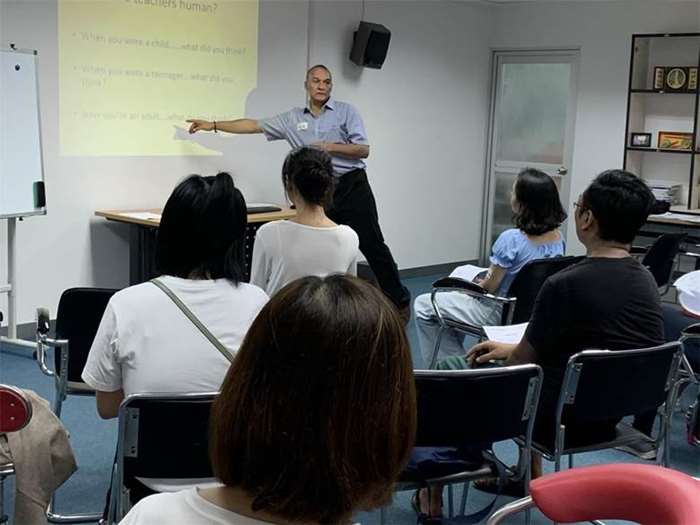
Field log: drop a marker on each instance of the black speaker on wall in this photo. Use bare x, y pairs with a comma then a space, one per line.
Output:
370, 44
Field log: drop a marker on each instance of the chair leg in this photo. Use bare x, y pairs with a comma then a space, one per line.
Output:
465, 495
450, 502
3, 517
571, 461
382, 516
559, 440
436, 349
667, 443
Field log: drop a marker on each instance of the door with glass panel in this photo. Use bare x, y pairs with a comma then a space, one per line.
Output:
532, 126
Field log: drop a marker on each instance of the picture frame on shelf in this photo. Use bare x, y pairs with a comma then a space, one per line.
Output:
659, 76
640, 140
675, 78
693, 78
675, 140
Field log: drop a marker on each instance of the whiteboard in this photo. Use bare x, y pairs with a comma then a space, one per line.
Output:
21, 166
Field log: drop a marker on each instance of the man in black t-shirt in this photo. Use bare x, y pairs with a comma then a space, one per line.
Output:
607, 301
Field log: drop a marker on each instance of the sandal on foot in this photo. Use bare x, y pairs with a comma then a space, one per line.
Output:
421, 517
512, 487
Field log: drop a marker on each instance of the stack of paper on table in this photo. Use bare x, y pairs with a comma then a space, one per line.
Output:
677, 216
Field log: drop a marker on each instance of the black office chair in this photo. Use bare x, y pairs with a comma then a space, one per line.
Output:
80, 311
603, 385
690, 374
659, 258
516, 307
162, 436
477, 406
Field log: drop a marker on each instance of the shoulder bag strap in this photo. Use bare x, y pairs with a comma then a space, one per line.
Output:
195, 321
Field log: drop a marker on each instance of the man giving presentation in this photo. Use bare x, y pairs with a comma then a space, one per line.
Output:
337, 128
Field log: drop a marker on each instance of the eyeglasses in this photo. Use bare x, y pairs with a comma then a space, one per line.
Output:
580, 207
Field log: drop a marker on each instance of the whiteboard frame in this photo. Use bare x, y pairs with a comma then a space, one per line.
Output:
43, 210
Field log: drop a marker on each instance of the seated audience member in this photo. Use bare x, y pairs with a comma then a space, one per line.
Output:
607, 301
538, 213
316, 417
145, 342
310, 243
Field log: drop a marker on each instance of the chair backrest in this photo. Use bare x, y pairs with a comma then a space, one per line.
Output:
15, 409
659, 259
493, 404
164, 436
646, 494
604, 385
690, 339
79, 314
528, 281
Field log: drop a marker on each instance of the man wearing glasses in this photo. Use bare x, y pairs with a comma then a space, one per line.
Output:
607, 301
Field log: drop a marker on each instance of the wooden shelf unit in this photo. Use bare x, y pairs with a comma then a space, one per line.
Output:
651, 110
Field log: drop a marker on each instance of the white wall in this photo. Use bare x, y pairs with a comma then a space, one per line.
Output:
425, 112
603, 32
70, 247
430, 100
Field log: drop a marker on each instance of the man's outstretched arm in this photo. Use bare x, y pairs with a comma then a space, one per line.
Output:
241, 125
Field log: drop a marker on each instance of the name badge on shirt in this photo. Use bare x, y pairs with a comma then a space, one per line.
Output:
302, 126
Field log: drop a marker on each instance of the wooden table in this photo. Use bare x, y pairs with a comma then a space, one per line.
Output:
143, 232
657, 225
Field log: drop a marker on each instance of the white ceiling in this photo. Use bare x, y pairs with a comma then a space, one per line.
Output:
539, 1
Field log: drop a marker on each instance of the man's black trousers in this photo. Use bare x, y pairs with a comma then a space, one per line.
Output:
353, 204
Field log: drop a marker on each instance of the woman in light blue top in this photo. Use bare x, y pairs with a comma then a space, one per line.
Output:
538, 213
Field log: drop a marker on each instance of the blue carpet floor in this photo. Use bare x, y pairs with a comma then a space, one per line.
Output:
94, 441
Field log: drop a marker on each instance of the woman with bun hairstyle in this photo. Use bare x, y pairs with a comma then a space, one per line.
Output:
310, 243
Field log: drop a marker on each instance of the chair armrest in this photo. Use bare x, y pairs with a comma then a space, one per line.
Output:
43, 340
455, 283
693, 329
639, 250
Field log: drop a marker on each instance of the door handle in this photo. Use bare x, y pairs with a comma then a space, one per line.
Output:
562, 171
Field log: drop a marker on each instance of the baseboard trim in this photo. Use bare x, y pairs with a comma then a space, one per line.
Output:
364, 271
25, 331
443, 269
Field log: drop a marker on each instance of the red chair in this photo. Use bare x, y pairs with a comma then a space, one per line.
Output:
15, 413
646, 494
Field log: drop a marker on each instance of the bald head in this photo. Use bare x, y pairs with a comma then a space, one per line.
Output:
318, 85
314, 69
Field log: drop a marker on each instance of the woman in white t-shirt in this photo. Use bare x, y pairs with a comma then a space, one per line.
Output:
316, 417
310, 243
145, 342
